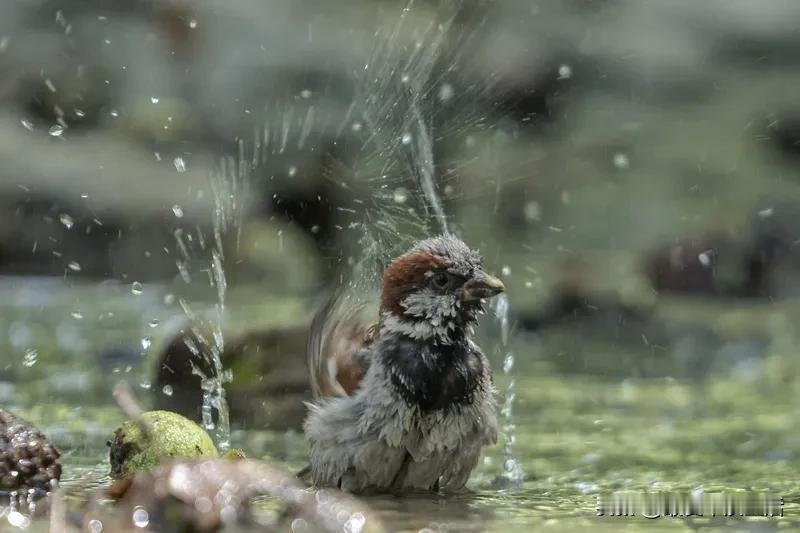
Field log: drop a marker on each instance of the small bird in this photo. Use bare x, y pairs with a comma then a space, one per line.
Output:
407, 403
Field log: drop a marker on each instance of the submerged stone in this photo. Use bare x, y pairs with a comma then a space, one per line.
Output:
139, 445
27, 459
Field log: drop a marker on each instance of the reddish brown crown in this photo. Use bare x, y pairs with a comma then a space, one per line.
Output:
403, 275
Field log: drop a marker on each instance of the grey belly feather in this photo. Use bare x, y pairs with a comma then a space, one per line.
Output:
375, 441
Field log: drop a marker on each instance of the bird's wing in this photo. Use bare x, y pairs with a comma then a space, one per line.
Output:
338, 346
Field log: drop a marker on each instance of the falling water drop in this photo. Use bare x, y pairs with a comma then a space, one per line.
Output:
180, 164
74, 266
621, 160
27, 124
177, 211
400, 195
140, 517
446, 92
514, 473
146, 342
67, 220
406, 138
77, 315
153, 323
154, 99
167, 390
30, 357
193, 24
136, 288
506, 270
56, 130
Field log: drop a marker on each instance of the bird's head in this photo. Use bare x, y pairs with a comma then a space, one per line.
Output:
436, 290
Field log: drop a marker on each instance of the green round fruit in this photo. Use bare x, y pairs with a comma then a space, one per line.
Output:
136, 449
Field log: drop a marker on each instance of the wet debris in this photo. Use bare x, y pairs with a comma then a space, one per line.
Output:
207, 495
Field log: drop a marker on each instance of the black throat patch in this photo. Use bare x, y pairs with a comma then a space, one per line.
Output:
433, 377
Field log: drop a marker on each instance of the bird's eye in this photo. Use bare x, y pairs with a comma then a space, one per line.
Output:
440, 280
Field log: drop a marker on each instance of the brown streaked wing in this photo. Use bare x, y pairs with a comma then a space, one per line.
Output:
338, 332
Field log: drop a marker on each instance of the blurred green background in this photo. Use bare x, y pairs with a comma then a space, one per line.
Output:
631, 169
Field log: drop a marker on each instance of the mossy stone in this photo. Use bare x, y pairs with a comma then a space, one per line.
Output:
169, 435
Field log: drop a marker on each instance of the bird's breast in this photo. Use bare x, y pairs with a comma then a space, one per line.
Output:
434, 378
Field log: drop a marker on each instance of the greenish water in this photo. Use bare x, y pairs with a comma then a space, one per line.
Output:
626, 416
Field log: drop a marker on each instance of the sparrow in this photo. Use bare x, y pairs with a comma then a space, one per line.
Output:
407, 403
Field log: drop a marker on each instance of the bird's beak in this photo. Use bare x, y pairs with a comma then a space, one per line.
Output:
482, 285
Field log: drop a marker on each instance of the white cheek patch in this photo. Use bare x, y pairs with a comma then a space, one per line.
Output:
435, 308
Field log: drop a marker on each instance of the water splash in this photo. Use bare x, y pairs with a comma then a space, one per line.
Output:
514, 474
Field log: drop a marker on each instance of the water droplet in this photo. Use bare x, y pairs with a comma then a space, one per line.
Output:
299, 525
564, 72
292, 171
355, 524
621, 160
77, 315
80, 113
114, 113
404, 78
56, 130
167, 390
146, 342
153, 323
169, 299
315, 229
766, 213
74, 266
177, 210
30, 357
27, 124
305, 93
532, 211
506, 270
705, 258
95, 526
508, 363
446, 92
66, 220
154, 99
144, 385
17, 519
136, 288
400, 195
356, 126
180, 164
193, 23
84, 195
406, 138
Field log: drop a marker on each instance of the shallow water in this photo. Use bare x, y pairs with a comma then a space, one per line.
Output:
577, 434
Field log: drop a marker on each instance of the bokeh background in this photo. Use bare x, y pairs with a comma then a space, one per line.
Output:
631, 169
